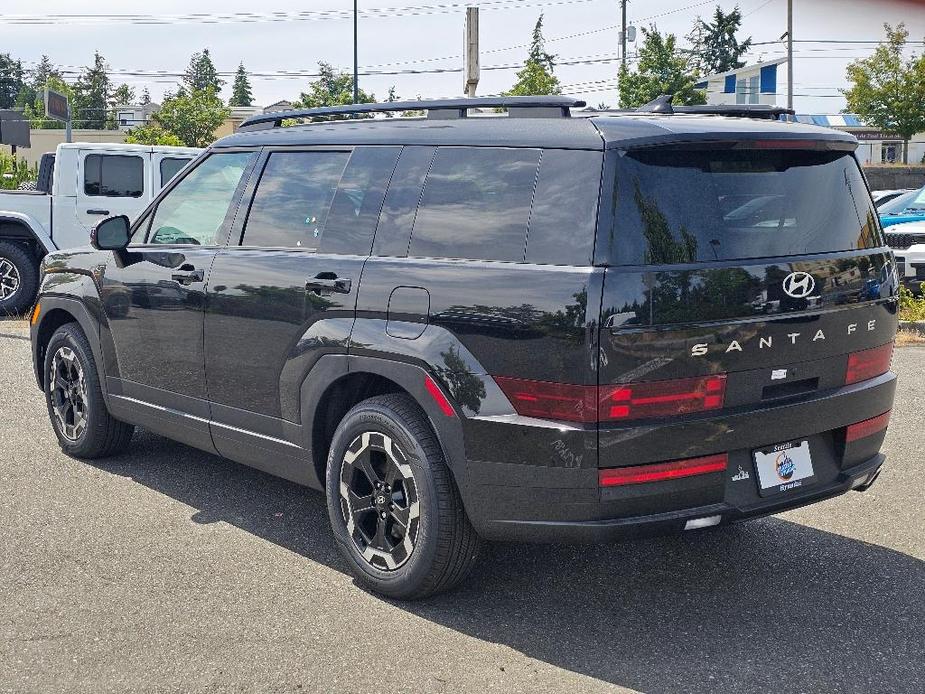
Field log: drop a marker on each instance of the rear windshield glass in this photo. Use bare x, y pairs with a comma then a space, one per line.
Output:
682, 206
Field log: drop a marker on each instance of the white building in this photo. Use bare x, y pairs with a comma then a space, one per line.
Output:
750, 84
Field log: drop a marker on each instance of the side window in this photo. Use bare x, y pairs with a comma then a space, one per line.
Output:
564, 214
170, 167
401, 202
358, 201
476, 204
194, 211
114, 175
293, 199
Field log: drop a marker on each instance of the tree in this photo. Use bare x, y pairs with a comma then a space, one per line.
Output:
123, 95
201, 73
92, 94
661, 69
35, 110
193, 116
145, 98
152, 134
536, 76
11, 80
241, 94
715, 46
332, 88
887, 90
42, 72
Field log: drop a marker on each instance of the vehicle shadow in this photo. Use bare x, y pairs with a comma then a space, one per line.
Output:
767, 606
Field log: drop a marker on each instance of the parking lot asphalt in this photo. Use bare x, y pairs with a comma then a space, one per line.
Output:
166, 569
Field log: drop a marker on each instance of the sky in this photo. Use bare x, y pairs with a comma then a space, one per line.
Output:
402, 35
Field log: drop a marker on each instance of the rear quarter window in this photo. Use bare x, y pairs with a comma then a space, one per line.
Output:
114, 176
679, 206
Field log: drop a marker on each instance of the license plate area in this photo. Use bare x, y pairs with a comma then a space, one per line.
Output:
783, 467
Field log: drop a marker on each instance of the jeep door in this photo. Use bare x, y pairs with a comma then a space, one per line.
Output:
110, 183
154, 292
283, 293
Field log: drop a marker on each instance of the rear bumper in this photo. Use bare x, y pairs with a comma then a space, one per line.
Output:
859, 477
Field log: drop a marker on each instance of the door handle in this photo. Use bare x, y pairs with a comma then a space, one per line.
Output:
191, 275
104, 213
328, 283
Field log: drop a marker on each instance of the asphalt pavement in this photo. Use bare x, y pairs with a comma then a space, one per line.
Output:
170, 570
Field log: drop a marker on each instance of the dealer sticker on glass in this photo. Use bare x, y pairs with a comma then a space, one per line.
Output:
783, 467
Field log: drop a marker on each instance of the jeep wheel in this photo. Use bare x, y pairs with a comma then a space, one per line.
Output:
19, 278
394, 507
78, 413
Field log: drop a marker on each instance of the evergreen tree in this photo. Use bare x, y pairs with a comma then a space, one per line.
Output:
92, 94
201, 73
11, 80
145, 98
661, 69
887, 90
536, 76
332, 88
715, 47
124, 95
241, 94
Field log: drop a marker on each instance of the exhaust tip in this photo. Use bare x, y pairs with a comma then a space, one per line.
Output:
695, 523
869, 482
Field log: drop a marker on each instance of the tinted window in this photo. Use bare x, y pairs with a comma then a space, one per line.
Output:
170, 166
678, 206
401, 203
565, 208
293, 198
358, 200
476, 204
114, 175
194, 211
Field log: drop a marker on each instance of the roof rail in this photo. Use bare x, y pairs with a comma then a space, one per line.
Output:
436, 108
662, 104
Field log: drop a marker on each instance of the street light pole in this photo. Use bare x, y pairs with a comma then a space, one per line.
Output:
356, 87
623, 34
790, 54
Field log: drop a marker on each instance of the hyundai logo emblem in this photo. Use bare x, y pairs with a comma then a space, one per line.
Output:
799, 284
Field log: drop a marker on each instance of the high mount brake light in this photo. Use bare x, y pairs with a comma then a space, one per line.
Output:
614, 403
868, 427
868, 363
658, 472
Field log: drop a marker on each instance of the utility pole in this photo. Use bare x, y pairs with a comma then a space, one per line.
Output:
471, 51
623, 34
790, 54
356, 69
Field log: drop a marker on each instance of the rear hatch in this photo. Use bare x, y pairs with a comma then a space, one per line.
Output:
740, 278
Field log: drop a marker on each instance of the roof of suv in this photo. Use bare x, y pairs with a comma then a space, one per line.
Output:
591, 131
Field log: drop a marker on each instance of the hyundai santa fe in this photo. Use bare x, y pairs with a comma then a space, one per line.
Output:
540, 325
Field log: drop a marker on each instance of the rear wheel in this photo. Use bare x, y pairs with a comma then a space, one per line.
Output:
78, 413
19, 278
394, 507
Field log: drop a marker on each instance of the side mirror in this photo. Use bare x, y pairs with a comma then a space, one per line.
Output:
111, 234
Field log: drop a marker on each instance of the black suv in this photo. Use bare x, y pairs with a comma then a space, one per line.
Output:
538, 325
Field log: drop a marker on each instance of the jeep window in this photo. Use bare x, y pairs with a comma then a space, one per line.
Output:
476, 204
564, 211
194, 211
401, 202
170, 167
358, 200
293, 198
678, 206
114, 175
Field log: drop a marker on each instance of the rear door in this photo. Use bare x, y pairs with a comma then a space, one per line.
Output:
283, 293
763, 265
111, 183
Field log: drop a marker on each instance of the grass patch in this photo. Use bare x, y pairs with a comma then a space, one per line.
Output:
911, 307
906, 337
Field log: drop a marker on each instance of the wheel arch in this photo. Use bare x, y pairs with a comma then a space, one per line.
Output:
21, 229
56, 311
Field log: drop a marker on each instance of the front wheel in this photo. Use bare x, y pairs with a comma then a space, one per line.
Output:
393, 504
78, 413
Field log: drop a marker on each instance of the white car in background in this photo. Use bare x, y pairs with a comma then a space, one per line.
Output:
908, 244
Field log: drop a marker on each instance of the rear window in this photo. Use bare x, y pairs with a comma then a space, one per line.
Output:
681, 206
114, 175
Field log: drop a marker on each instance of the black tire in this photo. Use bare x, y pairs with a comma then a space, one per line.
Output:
101, 435
445, 546
17, 269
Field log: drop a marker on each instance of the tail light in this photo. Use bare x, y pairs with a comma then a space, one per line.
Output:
662, 398
658, 472
868, 427
868, 363
614, 403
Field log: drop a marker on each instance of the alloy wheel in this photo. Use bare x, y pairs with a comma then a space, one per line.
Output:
379, 500
68, 393
9, 279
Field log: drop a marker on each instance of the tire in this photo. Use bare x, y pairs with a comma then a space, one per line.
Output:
444, 547
19, 279
84, 430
